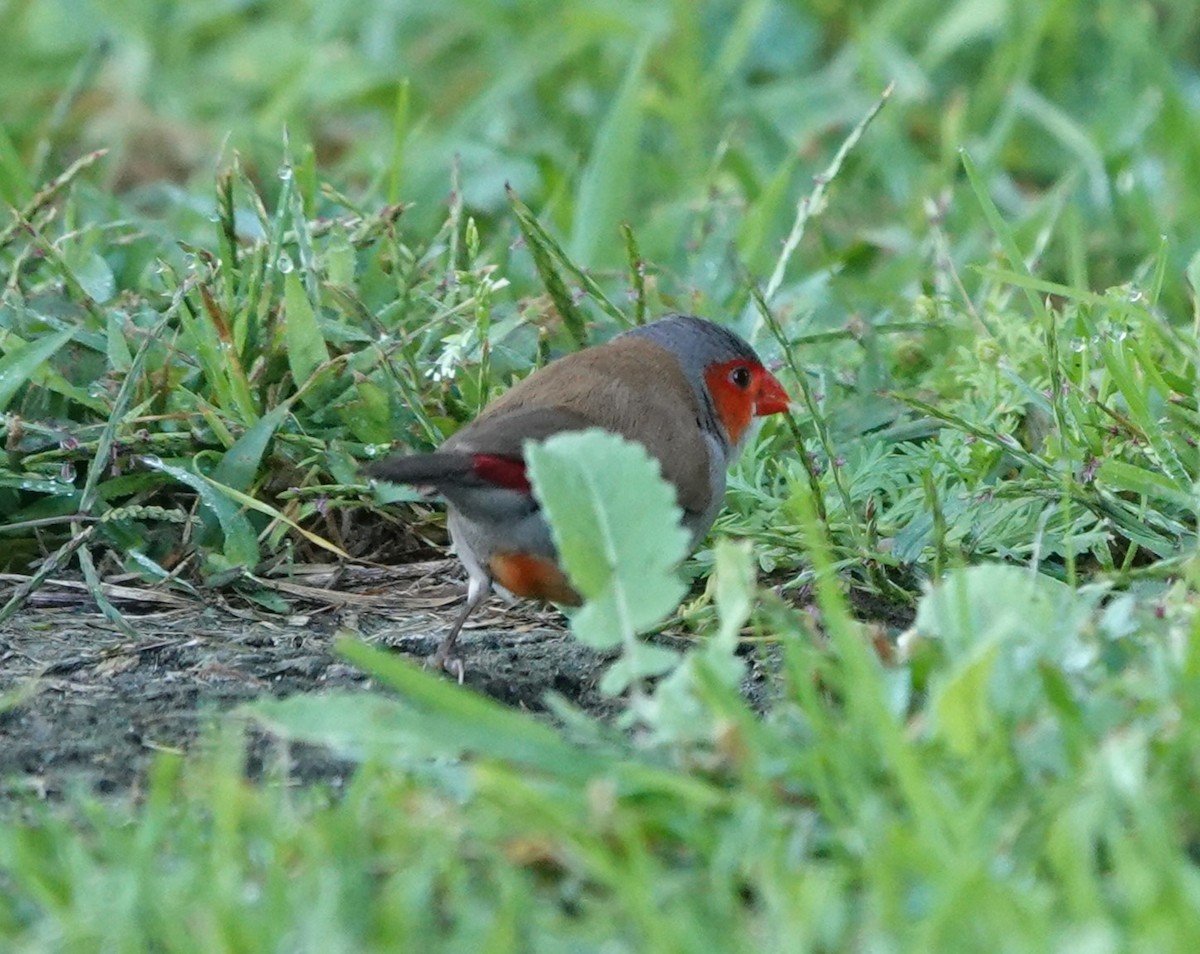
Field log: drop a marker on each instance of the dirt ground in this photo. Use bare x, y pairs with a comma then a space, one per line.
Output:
83, 705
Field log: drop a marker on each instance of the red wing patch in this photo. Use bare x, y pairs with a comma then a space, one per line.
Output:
504, 472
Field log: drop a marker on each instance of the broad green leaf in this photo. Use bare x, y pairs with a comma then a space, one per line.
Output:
996, 602
339, 260
1027, 616
960, 702
116, 347
617, 527
241, 543
306, 349
734, 579
21, 363
369, 415
637, 661
240, 463
94, 276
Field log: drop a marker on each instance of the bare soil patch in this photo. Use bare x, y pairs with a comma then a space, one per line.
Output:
85, 706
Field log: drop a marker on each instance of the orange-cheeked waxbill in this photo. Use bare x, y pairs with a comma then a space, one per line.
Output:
684, 388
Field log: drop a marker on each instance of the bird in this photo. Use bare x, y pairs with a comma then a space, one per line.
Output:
686, 388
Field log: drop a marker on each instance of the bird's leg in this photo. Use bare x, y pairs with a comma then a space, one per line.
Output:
477, 591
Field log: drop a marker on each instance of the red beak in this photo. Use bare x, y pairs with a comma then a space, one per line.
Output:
772, 398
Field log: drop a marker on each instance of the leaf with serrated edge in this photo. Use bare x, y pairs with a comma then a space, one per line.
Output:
617, 527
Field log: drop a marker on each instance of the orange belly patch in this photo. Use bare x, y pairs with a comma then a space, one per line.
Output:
533, 577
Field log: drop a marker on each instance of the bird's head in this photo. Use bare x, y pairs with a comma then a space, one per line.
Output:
723, 368
741, 390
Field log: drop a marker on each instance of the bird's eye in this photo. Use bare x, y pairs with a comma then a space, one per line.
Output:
740, 376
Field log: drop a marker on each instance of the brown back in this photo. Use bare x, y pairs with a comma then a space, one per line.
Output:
630, 386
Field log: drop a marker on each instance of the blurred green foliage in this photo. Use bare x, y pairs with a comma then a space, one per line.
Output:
369, 279
300, 246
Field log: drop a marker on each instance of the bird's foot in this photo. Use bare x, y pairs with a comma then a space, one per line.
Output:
451, 664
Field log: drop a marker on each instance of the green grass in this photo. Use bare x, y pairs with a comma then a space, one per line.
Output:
320, 229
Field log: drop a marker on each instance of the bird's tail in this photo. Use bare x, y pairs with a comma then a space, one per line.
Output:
438, 469
485, 487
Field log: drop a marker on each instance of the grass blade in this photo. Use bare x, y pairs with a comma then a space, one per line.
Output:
21, 363
606, 186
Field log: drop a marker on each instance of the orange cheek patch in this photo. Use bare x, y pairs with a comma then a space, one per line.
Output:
533, 577
734, 406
